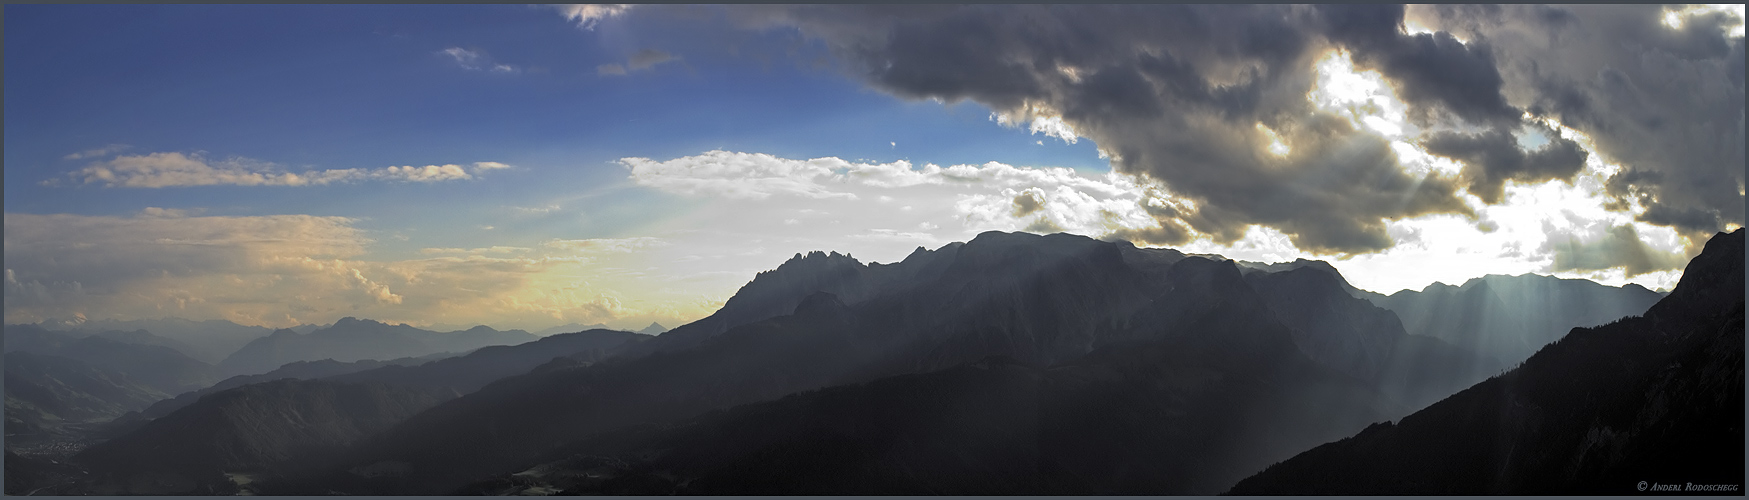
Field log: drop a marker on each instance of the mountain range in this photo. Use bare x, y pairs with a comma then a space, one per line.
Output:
156, 367
235, 427
352, 339
208, 341
1012, 363
1605, 410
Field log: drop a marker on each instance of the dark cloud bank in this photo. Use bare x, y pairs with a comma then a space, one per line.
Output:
1175, 93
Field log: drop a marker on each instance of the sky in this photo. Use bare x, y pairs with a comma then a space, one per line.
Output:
525, 166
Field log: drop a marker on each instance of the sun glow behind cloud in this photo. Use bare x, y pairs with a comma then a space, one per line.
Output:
1526, 233
1676, 15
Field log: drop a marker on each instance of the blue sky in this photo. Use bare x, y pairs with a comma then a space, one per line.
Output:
522, 131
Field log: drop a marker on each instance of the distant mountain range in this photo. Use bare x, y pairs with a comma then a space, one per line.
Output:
48, 397
1608, 410
1009, 364
1042, 301
233, 426
155, 367
352, 339
209, 341
1511, 317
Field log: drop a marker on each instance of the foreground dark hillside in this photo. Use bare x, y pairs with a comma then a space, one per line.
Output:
244, 430
263, 427
1656, 398
156, 367
52, 401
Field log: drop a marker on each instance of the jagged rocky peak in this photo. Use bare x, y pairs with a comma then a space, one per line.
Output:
818, 255
813, 262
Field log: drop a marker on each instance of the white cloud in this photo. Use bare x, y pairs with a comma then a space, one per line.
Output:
284, 270
607, 245
541, 210
648, 58
587, 15
472, 251
476, 60
428, 173
157, 170
758, 176
98, 152
735, 175
638, 61
1053, 126
466, 58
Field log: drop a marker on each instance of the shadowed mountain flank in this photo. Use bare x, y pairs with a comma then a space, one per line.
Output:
1048, 302
353, 339
1655, 398
259, 428
1510, 317
210, 423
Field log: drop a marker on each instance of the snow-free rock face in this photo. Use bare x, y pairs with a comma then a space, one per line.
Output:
1657, 398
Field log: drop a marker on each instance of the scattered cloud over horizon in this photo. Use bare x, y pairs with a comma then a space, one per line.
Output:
638, 61
173, 169
587, 15
477, 60
284, 270
97, 152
